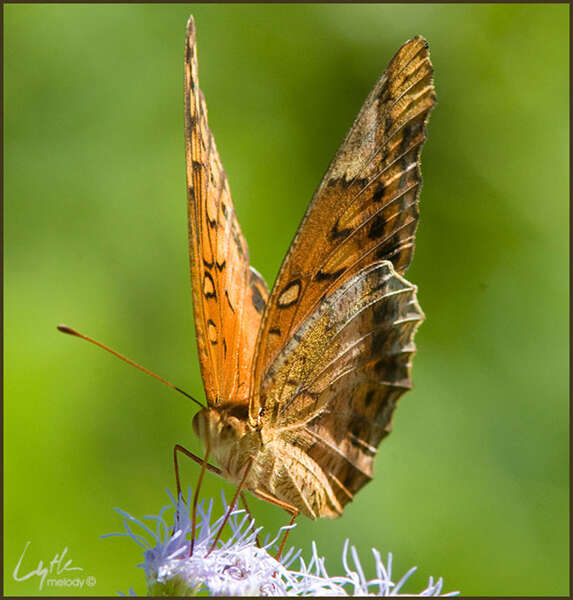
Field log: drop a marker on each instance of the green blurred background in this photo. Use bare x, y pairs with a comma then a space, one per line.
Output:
473, 483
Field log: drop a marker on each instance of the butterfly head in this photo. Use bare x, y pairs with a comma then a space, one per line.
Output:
220, 427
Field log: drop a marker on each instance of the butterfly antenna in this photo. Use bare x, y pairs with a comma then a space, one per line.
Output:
70, 331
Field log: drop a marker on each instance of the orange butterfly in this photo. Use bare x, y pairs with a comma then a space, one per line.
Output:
302, 384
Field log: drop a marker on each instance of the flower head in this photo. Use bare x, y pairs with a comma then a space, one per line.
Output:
237, 566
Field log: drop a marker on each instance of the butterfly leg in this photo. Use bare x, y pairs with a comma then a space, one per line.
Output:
292, 510
250, 461
195, 499
178, 448
244, 499
204, 465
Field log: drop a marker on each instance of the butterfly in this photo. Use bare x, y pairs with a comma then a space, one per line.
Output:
302, 381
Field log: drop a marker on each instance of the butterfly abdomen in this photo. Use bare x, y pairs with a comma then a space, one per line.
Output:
285, 471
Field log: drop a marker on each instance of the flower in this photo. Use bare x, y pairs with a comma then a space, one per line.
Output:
239, 567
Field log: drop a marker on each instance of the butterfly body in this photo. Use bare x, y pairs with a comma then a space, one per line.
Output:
276, 465
231, 438
302, 382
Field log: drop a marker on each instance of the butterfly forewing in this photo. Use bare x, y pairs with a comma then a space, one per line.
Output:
229, 297
364, 211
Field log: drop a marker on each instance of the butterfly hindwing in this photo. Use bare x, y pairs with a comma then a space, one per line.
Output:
364, 211
229, 297
332, 390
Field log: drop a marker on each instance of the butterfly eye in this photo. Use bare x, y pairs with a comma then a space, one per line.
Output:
196, 424
231, 426
201, 423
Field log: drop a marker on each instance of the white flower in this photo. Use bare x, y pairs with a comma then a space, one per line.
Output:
238, 567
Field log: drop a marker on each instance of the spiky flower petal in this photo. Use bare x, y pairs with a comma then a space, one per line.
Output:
238, 567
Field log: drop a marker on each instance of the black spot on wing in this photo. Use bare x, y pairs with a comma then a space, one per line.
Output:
229, 302
258, 300
378, 192
378, 341
377, 227
258, 290
389, 247
323, 276
339, 234
238, 243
